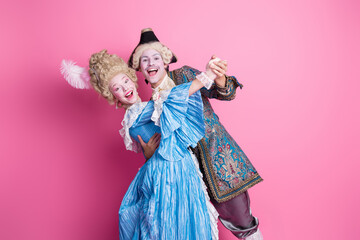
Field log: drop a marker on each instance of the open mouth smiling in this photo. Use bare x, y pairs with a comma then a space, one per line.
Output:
129, 94
152, 71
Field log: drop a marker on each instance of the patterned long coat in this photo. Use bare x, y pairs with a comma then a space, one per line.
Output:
227, 170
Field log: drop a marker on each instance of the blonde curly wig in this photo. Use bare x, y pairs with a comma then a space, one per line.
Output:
102, 68
165, 52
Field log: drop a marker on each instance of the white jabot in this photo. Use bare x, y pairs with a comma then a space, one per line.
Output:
159, 95
166, 84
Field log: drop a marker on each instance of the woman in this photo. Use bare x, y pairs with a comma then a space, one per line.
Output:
167, 198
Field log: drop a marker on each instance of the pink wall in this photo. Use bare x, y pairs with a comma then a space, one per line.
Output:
64, 169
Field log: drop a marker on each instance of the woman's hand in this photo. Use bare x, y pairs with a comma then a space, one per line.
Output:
150, 147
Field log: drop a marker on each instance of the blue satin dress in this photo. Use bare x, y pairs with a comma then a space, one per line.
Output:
166, 199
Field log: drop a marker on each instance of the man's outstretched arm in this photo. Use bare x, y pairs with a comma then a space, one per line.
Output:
225, 86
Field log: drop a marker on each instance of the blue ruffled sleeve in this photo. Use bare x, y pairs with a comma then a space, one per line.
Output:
181, 121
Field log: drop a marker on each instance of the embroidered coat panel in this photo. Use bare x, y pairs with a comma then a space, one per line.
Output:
227, 170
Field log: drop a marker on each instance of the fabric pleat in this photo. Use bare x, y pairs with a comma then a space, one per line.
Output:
182, 123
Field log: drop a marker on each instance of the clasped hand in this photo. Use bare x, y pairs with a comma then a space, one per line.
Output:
220, 69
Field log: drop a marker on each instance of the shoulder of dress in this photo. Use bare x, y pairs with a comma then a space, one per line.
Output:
132, 113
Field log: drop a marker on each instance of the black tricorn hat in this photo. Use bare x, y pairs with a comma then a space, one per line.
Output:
147, 36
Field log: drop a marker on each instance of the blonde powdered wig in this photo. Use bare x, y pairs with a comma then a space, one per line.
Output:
164, 51
102, 68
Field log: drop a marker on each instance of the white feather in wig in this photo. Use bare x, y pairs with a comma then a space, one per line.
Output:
76, 76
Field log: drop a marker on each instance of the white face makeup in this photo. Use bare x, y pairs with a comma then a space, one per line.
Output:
123, 89
152, 67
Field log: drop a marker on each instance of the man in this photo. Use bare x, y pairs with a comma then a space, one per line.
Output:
227, 171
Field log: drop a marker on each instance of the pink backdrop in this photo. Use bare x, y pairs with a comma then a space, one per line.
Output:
64, 169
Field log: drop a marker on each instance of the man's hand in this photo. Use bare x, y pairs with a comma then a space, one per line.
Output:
150, 147
219, 68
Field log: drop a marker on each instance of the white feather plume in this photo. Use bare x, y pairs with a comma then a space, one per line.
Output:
76, 76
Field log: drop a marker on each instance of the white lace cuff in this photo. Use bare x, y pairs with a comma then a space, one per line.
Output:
202, 77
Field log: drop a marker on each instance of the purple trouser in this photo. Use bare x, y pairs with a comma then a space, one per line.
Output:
235, 215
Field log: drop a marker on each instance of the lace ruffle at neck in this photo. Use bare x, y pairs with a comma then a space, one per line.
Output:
130, 116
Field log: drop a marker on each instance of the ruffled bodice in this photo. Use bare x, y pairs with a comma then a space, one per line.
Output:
180, 118
143, 125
